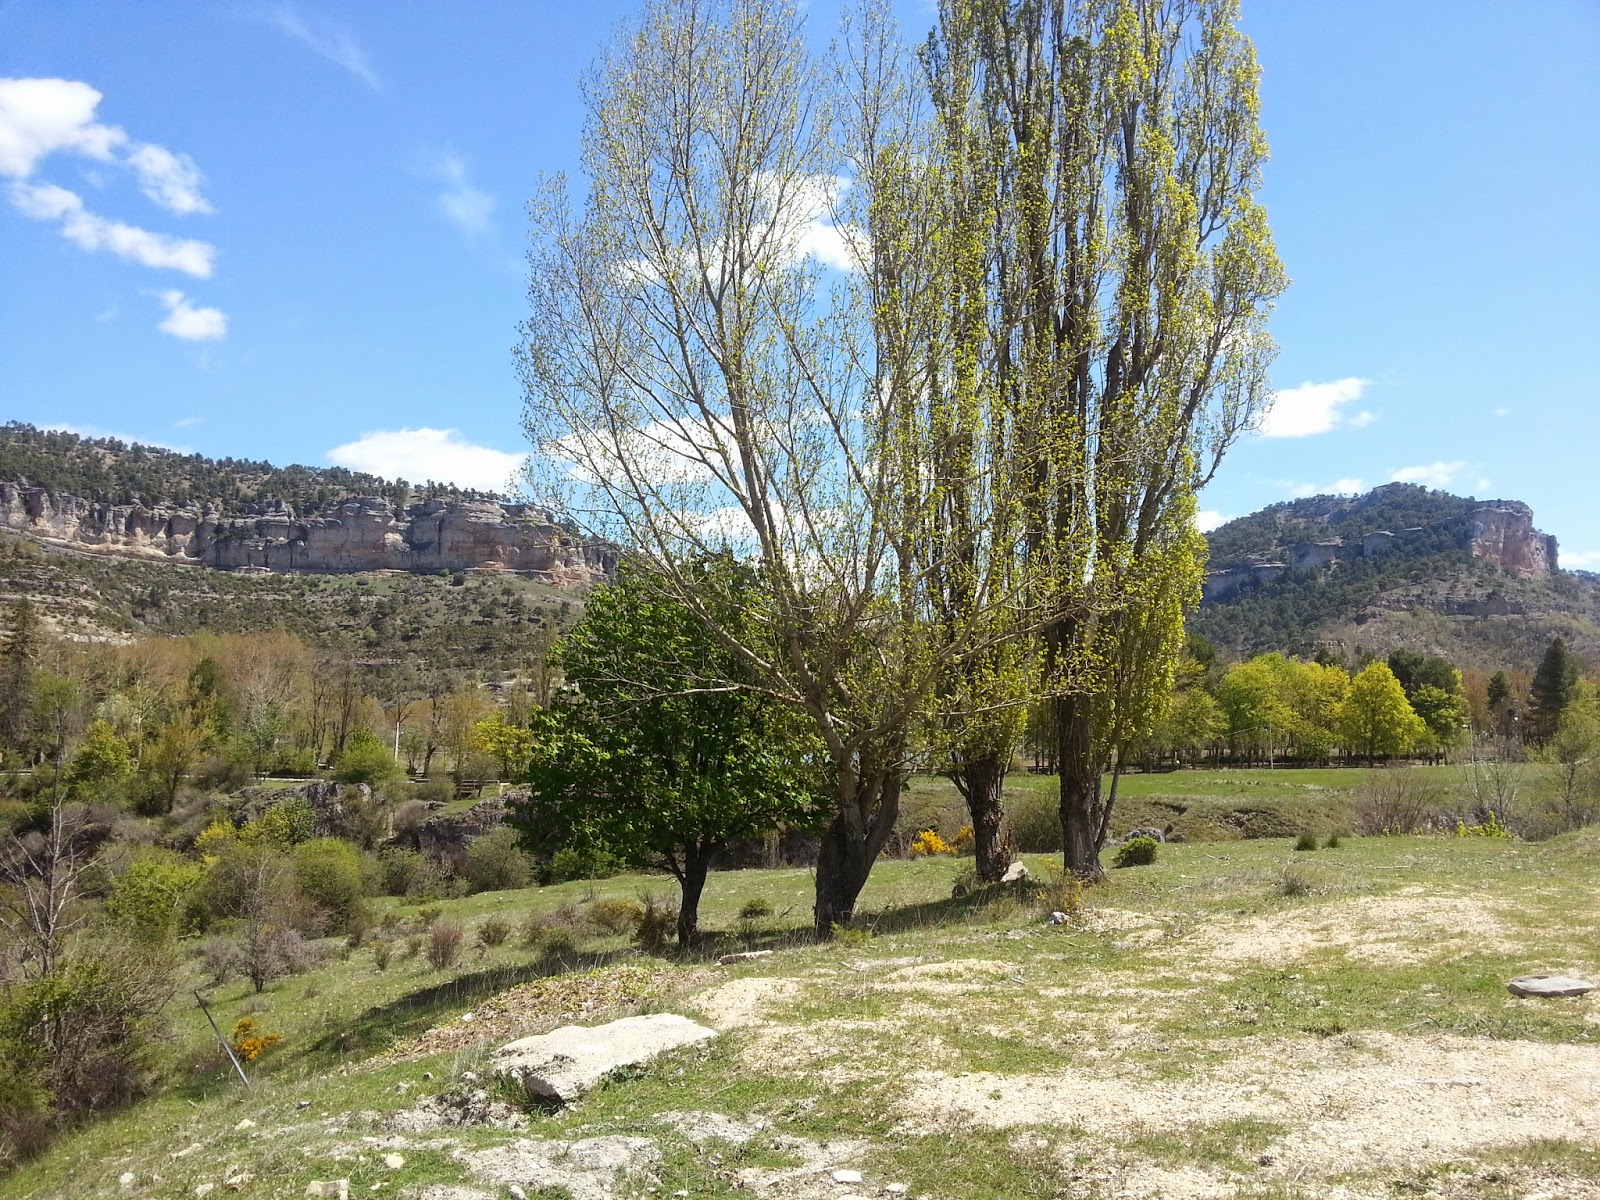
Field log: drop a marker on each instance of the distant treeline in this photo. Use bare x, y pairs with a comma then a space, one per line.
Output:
111, 471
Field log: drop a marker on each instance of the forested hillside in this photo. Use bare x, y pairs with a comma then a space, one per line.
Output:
106, 470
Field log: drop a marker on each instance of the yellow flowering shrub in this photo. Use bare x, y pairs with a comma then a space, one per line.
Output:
250, 1042
964, 842
928, 843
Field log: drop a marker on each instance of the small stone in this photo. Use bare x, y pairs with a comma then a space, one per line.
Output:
247, 1123
402, 1088
469, 1077
847, 1176
394, 1161
469, 1016
1266, 1160
742, 956
427, 1074
126, 1179
204, 1189
680, 1193
1546, 986
517, 1193
240, 1181
187, 1150
1016, 872
896, 1189
1058, 918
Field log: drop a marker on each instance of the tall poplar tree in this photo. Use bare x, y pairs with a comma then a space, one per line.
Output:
1127, 278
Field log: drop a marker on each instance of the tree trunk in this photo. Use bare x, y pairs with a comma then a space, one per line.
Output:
861, 825
692, 883
1083, 815
982, 783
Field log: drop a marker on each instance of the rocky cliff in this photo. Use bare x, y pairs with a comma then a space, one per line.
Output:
363, 534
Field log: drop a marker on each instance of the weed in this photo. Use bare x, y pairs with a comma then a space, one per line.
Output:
1306, 841
494, 932
444, 943
381, 952
851, 935
1332, 843
656, 925
1294, 882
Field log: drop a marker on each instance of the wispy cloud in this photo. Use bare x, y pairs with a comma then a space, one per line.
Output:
442, 455
191, 324
1348, 486
469, 208
186, 422
1583, 560
92, 232
336, 45
1312, 408
1434, 475
171, 180
1208, 519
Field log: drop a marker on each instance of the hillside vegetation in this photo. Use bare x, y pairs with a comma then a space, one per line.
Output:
110, 471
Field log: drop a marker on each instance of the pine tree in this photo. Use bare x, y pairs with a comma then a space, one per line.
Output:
1499, 690
1553, 686
17, 657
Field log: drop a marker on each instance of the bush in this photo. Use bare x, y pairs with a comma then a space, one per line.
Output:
496, 862
287, 823
327, 872
494, 932
444, 943
1396, 800
1135, 852
657, 924
1306, 841
579, 862
218, 958
928, 843
1034, 818
157, 897
381, 951
1333, 842
754, 910
400, 871
365, 760
1294, 882
617, 915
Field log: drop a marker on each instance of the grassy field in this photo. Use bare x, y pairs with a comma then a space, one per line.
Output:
1238, 1020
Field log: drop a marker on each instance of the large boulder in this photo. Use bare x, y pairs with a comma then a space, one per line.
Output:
1549, 986
444, 837
568, 1062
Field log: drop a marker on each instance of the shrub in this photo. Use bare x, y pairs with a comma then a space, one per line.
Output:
327, 872
1396, 800
381, 951
218, 958
1489, 827
657, 923
965, 840
444, 943
1333, 842
1306, 841
155, 899
365, 760
1060, 891
617, 915
494, 932
1135, 852
1035, 821
287, 823
496, 862
754, 910
270, 951
413, 945
400, 871
928, 843
250, 1042
579, 862
437, 790
558, 944
1294, 882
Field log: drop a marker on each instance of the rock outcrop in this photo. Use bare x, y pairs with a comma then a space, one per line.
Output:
365, 533
444, 837
1501, 531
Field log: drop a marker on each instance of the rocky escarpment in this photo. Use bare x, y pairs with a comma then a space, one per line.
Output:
1496, 531
362, 534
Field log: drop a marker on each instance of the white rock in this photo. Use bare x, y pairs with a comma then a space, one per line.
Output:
204, 1189
187, 1150
126, 1179
301, 1105
742, 956
239, 1182
517, 1193
1016, 872
847, 1176
1058, 918
896, 1189
394, 1161
566, 1063
1549, 985
247, 1123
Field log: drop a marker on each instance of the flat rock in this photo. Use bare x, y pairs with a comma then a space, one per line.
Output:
1549, 985
568, 1062
847, 1176
742, 956
1016, 872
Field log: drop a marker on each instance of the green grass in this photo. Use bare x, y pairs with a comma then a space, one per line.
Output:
1141, 987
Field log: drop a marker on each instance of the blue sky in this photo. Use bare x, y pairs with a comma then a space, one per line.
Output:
295, 231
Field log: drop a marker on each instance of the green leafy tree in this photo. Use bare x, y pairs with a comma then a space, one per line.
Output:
177, 747
154, 899
1554, 684
365, 759
1376, 719
100, 762
1117, 154
511, 745
1445, 713
1498, 693
1194, 722
658, 759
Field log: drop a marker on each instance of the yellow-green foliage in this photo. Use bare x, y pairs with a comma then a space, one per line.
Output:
929, 844
1492, 827
250, 1043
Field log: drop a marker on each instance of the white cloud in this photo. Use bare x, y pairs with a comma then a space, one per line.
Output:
189, 323
1584, 560
171, 180
1348, 486
41, 116
1310, 408
1434, 475
441, 455
466, 207
1362, 419
1208, 519
90, 231
188, 421
334, 44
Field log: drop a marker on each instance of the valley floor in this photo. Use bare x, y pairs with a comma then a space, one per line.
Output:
1238, 1020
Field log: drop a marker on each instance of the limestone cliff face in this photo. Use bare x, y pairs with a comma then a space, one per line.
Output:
364, 534
1501, 531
